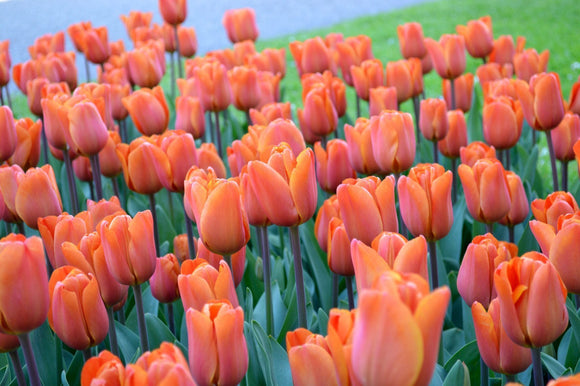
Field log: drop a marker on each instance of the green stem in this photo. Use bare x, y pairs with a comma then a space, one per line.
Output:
96, 169
349, 292
537, 366
112, 332
170, 201
357, 106
552, 160
153, 208
453, 104
510, 378
265, 250
190, 241
72, 186
511, 234
17, 368
87, 70
300, 296
577, 298
489, 227
416, 110
435, 152
87, 354
281, 237
58, 359
179, 70
433, 261
44, 142
218, 134
30, 360
171, 318
141, 318
484, 373
172, 72
565, 176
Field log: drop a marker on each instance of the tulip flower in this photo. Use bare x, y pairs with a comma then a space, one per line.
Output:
46, 44
529, 63
542, 102
148, 110
146, 64
325, 214
360, 151
164, 280
338, 255
9, 181
5, 63
500, 88
238, 260
411, 40
519, 208
95, 44
312, 56
8, 133
502, 122
105, 367
367, 76
76, 31
77, 313
463, 92
173, 12
478, 37
332, 165
165, 365
382, 98
334, 85
240, 24
207, 156
475, 151
27, 152
402, 255
319, 116
37, 195
180, 149
367, 207
271, 112
352, 52
33, 93
456, 137
497, 350
448, 55
565, 381
504, 49
556, 204
189, 116
55, 230
270, 60
217, 347
393, 141
433, 119
564, 136
574, 100
490, 72
245, 89
406, 76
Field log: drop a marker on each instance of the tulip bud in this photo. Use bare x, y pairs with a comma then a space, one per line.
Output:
105, 367
164, 280
478, 36
8, 133
448, 55
456, 137
240, 24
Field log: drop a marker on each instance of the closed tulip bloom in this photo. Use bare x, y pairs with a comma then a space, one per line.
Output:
271, 112
406, 76
475, 151
367, 207
360, 151
179, 147
270, 60
207, 156
519, 201
238, 260
55, 120
163, 366
368, 75
475, 277
448, 55
548, 210
332, 164
189, 116
574, 100
433, 120
76, 31
503, 87
319, 115
87, 129
24, 72
245, 89
187, 41
46, 44
10, 177
181, 248
540, 315
173, 12
5, 63
82, 169
55, 230
352, 52
146, 64
214, 87
529, 63
338, 255
393, 141
542, 101
278, 131
105, 367
502, 122
8, 133
77, 313
96, 45
389, 315
27, 152
240, 24
491, 71
325, 214
34, 95
486, 190
99, 211
23, 299
164, 280
504, 49
129, 247
478, 36
425, 201
463, 91
382, 98
456, 137
37, 195
564, 137
497, 350
411, 40
312, 56
109, 160
402, 255
148, 110
8, 343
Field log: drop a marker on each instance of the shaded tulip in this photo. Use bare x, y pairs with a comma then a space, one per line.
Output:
214, 88
475, 277
500, 88
529, 63
109, 161
338, 255
37, 195
245, 89
312, 56
106, 368
448, 55
240, 24
519, 208
332, 165
179, 147
486, 190
325, 214
217, 347
502, 122
393, 141
129, 247
402, 255
367, 207
187, 41
34, 94
181, 248
8, 133
456, 137
368, 75
478, 36
433, 120
411, 40
9, 181
148, 110
463, 92
475, 151
95, 44
5, 62
406, 76
497, 350
570, 380
542, 101
163, 366
189, 116
77, 313
539, 316
207, 156
382, 98
8, 342
565, 135
360, 151
319, 116
574, 100
556, 204
164, 280
23, 299
173, 12
504, 49
271, 112
27, 152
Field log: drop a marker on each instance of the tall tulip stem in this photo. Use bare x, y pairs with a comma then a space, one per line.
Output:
96, 169
153, 208
565, 176
334, 290
87, 354
171, 318
537, 366
417, 111
190, 240
17, 368
435, 152
454, 180
72, 186
44, 142
300, 296
179, 70
552, 160
433, 261
265, 250
349, 292
357, 106
484, 373
172, 72
87, 70
453, 104
141, 317
489, 227
511, 234
112, 332
30, 360
218, 134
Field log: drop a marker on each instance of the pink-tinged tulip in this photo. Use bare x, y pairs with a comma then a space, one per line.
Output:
433, 120
405, 316
463, 91
181, 248
55, 230
5, 63
448, 55
95, 44
164, 280
565, 381
76, 32
199, 282
382, 98
109, 160
129, 247
519, 208
332, 164
269, 86
148, 110
106, 368
338, 255
490, 72
565, 135
173, 12
286, 185
10, 178
245, 89
456, 137
187, 39
214, 88
393, 141
34, 94
504, 49
475, 151
574, 100
37, 195
278, 131
23, 284
8, 133
87, 129
542, 101
22, 73
334, 85
325, 214
532, 299
406, 76
425, 201
360, 151
319, 116
99, 211
556, 204
207, 156
179, 147
240, 24
411, 40
529, 63
475, 277
486, 190
46, 44
402, 255
352, 52
367, 207
502, 122
77, 313
27, 152
8, 343
368, 75
312, 56
146, 64
271, 112
163, 366
478, 36
500, 88
217, 347
238, 260
189, 116
497, 350
270, 59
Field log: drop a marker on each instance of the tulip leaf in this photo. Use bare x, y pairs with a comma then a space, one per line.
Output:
314, 258
273, 358
136, 203
291, 319
450, 245
254, 374
568, 350
527, 242
474, 121
322, 322
468, 326
128, 342
43, 344
458, 375
73, 373
278, 308
468, 354
438, 375
554, 367
157, 331
453, 340
62, 379
164, 226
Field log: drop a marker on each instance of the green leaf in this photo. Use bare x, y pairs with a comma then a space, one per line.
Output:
574, 320
529, 172
291, 319
73, 373
568, 353
322, 322
450, 245
554, 367
453, 340
468, 354
272, 357
43, 345
468, 327
129, 344
278, 308
438, 375
474, 128
157, 331
458, 375
164, 226
315, 259
136, 203
254, 374
527, 241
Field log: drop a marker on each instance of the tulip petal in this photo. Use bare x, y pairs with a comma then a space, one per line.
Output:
203, 355
359, 213
311, 365
414, 206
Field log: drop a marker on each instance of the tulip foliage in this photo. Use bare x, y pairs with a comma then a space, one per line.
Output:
318, 213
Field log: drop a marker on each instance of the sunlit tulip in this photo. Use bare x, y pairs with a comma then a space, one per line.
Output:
48, 43
76, 31
542, 101
411, 40
475, 151
500, 88
402, 255
34, 95
187, 39
9, 182
502, 122
433, 120
146, 64
529, 63
163, 366
448, 55
8, 133
406, 76
311, 56
478, 36
24, 72
148, 110
87, 129
240, 24
456, 137
548, 210
27, 152
463, 91
334, 85
173, 12
37, 195
368, 75
105, 367
393, 141
382, 98
164, 280
332, 164
539, 316
179, 147
360, 151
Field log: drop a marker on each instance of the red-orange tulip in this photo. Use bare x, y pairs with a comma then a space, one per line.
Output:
271, 112
542, 101
148, 110
95, 44
529, 63
106, 368
406, 76
402, 255
5, 63
548, 210
433, 120
360, 151
463, 92
311, 56
504, 49
240, 24
338, 255
55, 230
491, 71
27, 152
519, 208
352, 52
146, 64
182, 155
163, 366
411, 40
456, 137
325, 214
382, 98
245, 89
173, 12
502, 122
214, 88
189, 116
393, 141
475, 151
164, 280
574, 100
109, 160
37, 195
368, 75
332, 164
478, 36
8, 133
238, 260
565, 135
319, 116
448, 55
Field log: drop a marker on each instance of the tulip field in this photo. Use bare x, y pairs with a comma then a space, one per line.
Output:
389, 201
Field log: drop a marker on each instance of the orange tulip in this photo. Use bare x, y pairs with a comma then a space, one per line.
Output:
352, 52
433, 119
382, 98
8, 133
55, 230
491, 71
312, 56
109, 160
5, 62
393, 141
105, 367
338, 255
565, 381
406, 76
164, 280
23, 299
486, 190
448, 55
502, 122
475, 151
95, 44
360, 151
367, 207
180, 149
207, 156
82, 169
402, 255
475, 277
574, 100
146, 64
22, 73
214, 87
163, 366
278, 131
46, 44
389, 315
9, 182
333, 84
217, 347
478, 36
33, 92
542, 101
181, 248
240, 24
271, 112
319, 116
27, 152
497, 350
332, 165
529, 63
99, 211
519, 208
129, 247
87, 129
550, 209
368, 75
270, 59
173, 12
238, 260
187, 39
463, 91
8, 343
76, 31
456, 137
245, 89
148, 110
503, 87
411, 40
504, 49
565, 135
325, 214
189, 116
77, 313
539, 316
